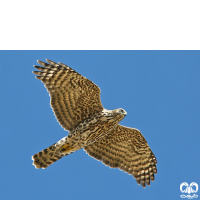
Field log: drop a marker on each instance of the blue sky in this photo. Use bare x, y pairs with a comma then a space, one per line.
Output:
158, 89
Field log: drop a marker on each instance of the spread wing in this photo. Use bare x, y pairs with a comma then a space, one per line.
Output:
73, 97
126, 148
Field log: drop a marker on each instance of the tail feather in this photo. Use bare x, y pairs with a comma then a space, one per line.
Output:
53, 153
46, 157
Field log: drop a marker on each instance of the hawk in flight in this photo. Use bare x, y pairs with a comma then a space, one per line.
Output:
76, 103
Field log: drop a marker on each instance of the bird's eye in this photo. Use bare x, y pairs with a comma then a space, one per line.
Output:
121, 110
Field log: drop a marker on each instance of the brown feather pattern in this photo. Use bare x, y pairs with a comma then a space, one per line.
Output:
76, 103
73, 97
126, 148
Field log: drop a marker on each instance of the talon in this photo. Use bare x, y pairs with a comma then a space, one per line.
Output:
66, 147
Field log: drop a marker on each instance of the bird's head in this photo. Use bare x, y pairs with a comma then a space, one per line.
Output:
114, 115
119, 114
121, 111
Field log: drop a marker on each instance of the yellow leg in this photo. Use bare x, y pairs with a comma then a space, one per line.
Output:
66, 147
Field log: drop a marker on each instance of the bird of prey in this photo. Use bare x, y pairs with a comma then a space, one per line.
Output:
76, 103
